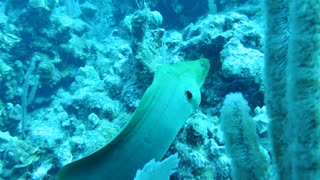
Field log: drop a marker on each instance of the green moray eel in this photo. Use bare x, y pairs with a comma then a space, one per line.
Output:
164, 108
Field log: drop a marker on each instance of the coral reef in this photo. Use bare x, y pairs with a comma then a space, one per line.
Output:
70, 80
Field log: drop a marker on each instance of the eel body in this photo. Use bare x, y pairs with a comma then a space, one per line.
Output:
164, 108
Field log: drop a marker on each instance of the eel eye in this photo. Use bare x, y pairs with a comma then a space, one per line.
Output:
188, 95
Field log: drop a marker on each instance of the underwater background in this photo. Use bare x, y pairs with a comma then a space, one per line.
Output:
72, 72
